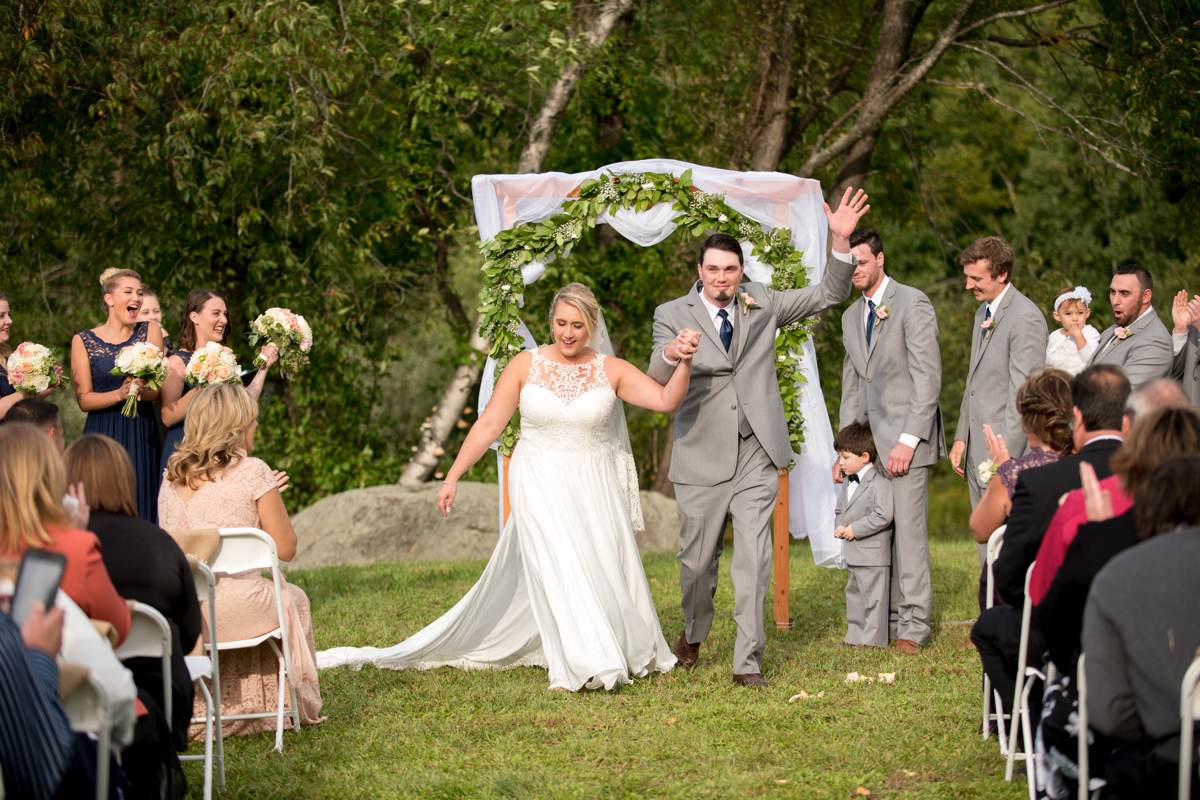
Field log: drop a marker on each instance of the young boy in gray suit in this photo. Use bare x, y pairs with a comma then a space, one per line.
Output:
864, 521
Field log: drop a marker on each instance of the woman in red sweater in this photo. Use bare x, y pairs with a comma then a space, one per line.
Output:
32, 485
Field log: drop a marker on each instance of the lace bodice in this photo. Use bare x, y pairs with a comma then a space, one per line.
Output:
229, 501
102, 356
567, 407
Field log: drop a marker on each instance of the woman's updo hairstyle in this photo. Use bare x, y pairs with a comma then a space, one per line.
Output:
1044, 403
110, 276
580, 298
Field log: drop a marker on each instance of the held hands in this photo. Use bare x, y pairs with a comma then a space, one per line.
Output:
843, 221
132, 387
683, 346
1096, 500
956, 457
997, 449
900, 459
445, 498
844, 532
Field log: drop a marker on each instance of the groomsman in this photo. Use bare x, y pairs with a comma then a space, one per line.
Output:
1008, 342
1185, 341
891, 379
1137, 341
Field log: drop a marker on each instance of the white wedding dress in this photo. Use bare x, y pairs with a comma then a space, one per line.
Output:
564, 588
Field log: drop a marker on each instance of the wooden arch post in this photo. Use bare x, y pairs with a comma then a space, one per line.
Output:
783, 618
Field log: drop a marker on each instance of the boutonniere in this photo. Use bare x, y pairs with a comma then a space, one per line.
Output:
882, 313
986, 325
1121, 332
746, 302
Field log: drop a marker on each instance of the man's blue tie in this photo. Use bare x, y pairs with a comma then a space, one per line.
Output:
870, 319
726, 329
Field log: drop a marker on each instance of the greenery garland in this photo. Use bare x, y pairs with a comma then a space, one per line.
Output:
700, 213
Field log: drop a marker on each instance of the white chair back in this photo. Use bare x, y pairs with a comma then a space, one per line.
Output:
244, 549
150, 637
1189, 712
1019, 689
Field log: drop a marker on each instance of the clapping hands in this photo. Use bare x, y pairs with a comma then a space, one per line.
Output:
1096, 500
683, 346
1185, 311
997, 449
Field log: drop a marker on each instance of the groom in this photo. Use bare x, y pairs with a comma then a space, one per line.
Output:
730, 432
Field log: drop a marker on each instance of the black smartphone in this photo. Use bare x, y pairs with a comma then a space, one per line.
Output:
38, 578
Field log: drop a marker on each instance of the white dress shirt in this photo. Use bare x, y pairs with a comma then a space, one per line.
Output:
1109, 343
994, 304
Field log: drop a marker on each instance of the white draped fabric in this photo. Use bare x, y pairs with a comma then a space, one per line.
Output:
772, 199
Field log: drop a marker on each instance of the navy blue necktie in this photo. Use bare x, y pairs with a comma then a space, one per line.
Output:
726, 329
870, 319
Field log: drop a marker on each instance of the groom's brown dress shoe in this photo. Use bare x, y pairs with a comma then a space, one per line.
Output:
908, 647
686, 653
752, 679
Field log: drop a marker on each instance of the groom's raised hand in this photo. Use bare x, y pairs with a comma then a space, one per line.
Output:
843, 221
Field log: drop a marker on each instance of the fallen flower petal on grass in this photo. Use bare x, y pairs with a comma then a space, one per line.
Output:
887, 677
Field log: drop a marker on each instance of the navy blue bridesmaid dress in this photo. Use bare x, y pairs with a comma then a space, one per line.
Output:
138, 435
174, 434
5, 387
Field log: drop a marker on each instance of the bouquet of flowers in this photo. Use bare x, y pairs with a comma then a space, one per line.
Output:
213, 363
288, 333
34, 368
142, 360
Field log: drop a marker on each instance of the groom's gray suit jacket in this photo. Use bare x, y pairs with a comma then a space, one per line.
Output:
706, 425
1145, 355
894, 384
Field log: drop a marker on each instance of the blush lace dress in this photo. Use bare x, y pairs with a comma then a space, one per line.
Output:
246, 602
564, 588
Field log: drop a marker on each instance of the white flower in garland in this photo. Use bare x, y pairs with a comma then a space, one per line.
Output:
648, 185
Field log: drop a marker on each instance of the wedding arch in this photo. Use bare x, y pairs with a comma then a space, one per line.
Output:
526, 222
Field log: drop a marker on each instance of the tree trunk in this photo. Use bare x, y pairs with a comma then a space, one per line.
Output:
441, 424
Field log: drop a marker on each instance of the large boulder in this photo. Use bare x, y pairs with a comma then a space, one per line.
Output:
392, 523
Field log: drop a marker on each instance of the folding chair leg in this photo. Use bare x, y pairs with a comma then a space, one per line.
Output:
987, 706
279, 709
220, 736
103, 755
1027, 744
1001, 728
208, 741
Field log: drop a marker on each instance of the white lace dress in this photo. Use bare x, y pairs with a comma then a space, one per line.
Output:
564, 588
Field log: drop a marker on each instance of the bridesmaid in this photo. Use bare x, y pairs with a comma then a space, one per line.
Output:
205, 319
9, 396
100, 394
152, 312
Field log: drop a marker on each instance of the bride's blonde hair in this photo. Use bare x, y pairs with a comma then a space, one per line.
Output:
214, 434
580, 298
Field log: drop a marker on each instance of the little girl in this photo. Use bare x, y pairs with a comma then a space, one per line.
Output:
1072, 346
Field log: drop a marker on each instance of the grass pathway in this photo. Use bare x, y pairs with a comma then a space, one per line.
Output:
450, 734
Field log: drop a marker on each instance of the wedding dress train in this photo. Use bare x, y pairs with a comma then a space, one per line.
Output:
564, 588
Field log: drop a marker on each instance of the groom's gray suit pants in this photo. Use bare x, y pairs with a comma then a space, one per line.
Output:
750, 498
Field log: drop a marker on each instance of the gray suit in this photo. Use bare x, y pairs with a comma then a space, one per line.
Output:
1186, 366
718, 471
868, 556
1001, 359
894, 385
1145, 355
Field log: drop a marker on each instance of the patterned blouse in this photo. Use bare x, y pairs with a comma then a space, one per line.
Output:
1009, 470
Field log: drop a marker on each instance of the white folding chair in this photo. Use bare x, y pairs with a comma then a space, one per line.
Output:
89, 712
1081, 742
243, 550
1189, 712
1019, 693
204, 670
994, 543
149, 637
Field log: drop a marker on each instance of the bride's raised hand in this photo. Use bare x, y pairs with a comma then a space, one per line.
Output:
445, 498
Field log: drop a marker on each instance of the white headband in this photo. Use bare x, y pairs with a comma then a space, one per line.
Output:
1078, 293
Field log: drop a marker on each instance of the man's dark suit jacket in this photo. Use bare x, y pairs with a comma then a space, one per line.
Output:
1033, 505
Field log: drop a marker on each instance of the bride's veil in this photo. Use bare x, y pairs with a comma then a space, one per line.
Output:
627, 467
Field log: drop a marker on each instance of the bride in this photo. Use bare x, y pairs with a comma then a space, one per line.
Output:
564, 588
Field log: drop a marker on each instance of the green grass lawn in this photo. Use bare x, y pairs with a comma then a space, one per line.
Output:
450, 734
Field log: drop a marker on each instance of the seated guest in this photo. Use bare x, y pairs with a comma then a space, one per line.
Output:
1118, 487
32, 484
39, 413
1141, 631
212, 481
36, 741
1044, 403
1098, 396
144, 563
